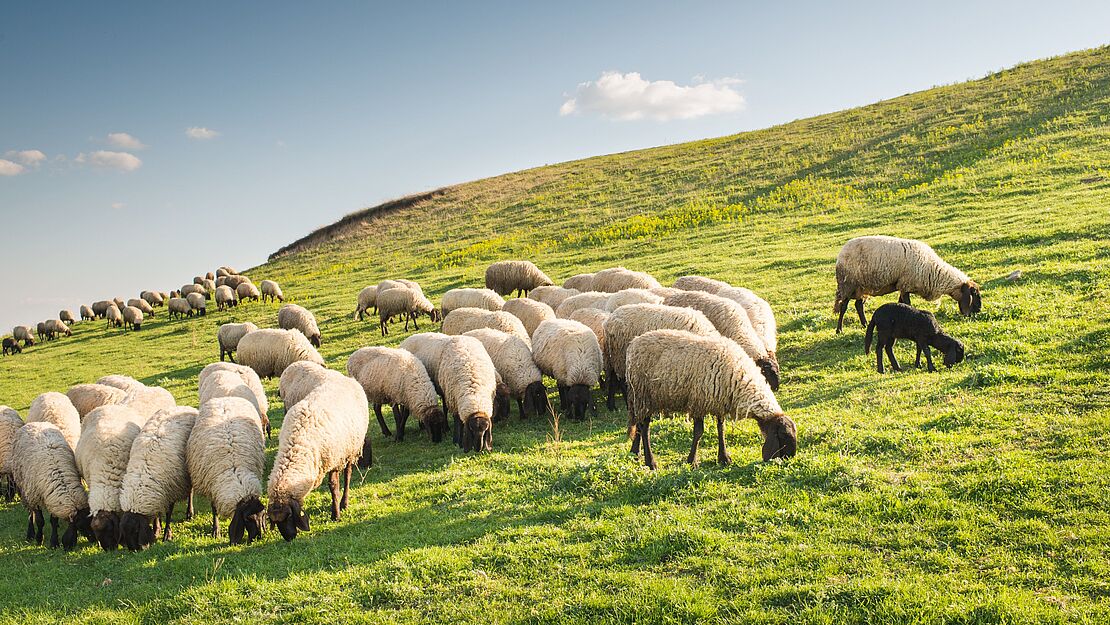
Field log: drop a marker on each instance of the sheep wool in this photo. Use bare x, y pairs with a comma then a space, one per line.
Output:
631, 296
427, 347
229, 335
618, 279
87, 313
760, 314
157, 475
568, 351
486, 299
465, 319
469, 382
197, 303
148, 400
133, 318
56, 408
102, 455
593, 319
582, 282
628, 322
56, 326
512, 358
507, 276
226, 457
10, 422
142, 305
587, 299
179, 307
300, 379
551, 295
225, 297
246, 291
223, 383
367, 299
271, 290
45, 471
121, 382
114, 316
270, 351
88, 397
294, 317
402, 300
66, 316
530, 312
700, 283
248, 377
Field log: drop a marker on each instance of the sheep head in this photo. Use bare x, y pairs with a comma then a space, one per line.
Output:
969, 298
106, 528
535, 398
288, 518
436, 421
478, 433
579, 399
780, 437
770, 370
136, 531
81, 522
248, 518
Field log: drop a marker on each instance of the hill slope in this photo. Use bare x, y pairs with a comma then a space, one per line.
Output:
978, 494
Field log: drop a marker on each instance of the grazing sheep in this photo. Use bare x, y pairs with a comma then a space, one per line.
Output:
198, 303
469, 382
154, 298
700, 283
229, 335
10, 422
209, 287
760, 314
179, 307
88, 397
157, 477
877, 265
294, 317
530, 312
732, 321
198, 280
99, 308
512, 358
246, 291
148, 400
114, 316
301, 378
466, 319
402, 301
367, 299
11, 346
396, 377
587, 299
102, 455
54, 327
569, 352
235, 281
189, 289
226, 297
582, 282
486, 299
619, 279
132, 318
664, 291
322, 434
248, 376
672, 371
628, 322
40, 331
272, 290
226, 271
209, 276
118, 301
142, 305
221, 281
226, 457
66, 316
46, 477
507, 276
87, 313
631, 296
270, 351
902, 321
551, 295
24, 333
56, 408
231, 380
427, 347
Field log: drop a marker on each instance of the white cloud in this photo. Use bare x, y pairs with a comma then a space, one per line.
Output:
629, 97
8, 168
201, 133
125, 141
118, 205
31, 158
104, 159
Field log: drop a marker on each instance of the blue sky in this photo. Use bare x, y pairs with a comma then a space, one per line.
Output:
312, 111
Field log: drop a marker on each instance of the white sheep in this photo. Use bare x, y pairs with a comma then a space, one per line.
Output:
142, 305
246, 291
226, 297
10, 422
619, 279
209, 286
157, 477
700, 283
25, 334
179, 307
569, 352
396, 377
587, 299
46, 477
132, 318
877, 265
404, 301
270, 351
114, 316
88, 397
55, 327
466, 319
154, 298
367, 299
469, 382
672, 371
486, 299
66, 316
229, 335
121, 382
271, 290
551, 295
222, 382
631, 296
102, 454
530, 312
301, 378
581, 282
226, 457
294, 317
512, 358
198, 303
189, 289
322, 434
148, 400
507, 276
56, 408
87, 313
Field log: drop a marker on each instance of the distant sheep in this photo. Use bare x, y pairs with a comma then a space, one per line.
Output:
396, 377
229, 335
189, 289
179, 307
132, 318
486, 299
46, 476
294, 317
569, 352
465, 319
902, 321
142, 305
11, 346
24, 333
270, 351
271, 290
403, 301
226, 297
87, 313
530, 312
54, 327
619, 279
66, 316
521, 276
114, 316
367, 299
877, 265
154, 298
99, 308
246, 292
551, 295
198, 303
56, 408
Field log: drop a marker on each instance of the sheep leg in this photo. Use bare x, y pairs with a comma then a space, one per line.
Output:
346, 486
890, 354
215, 523
457, 438
400, 419
167, 533
189, 510
382, 324
40, 523
381, 421
519, 405
879, 355
54, 532
928, 357
414, 326
840, 321
917, 361
610, 389
31, 526
904, 298
699, 430
645, 436
333, 485
722, 454
859, 311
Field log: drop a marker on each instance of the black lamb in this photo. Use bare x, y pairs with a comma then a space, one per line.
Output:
10, 346
901, 321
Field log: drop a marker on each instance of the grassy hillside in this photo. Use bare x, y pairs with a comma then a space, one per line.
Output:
978, 494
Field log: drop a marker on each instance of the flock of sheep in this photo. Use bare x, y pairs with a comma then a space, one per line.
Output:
701, 347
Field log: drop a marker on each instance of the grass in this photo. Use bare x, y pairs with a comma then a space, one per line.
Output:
975, 495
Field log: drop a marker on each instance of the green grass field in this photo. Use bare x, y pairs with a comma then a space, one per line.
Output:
980, 494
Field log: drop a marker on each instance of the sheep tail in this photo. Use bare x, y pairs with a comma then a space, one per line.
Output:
867, 337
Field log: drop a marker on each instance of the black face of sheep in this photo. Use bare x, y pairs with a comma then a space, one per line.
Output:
437, 423
135, 531
971, 302
478, 434
535, 399
501, 404
770, 370
106, 528
780, 438
578, 399
80, 524
248, 519
953, 350
289, 519
315, 340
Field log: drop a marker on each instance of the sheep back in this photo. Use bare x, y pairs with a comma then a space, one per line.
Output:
226, 453
55, 408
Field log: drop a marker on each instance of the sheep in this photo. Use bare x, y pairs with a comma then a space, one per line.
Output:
760, 314
246, 291
248, 376
301, 378
226, 456
157, 477
225, 270
165, 296
587, 299
673, 371
551, 295
40, 330
631, 296
507, 276
367, 299
10, 422
427, 347
294, 317
190, 289
530, 312
198, 303
229, 335
102, 454
569, 352
198, 280
66, 316
486, 299
732, 321
87, 313
465, 319
226, 298
512, 358
396, 377
147, 400
221, 281
99, 308
56, 408
209, 276
272, 290
700, 283
179, 307
24, 333
132, 318
123, 382
118, 301
322, 434
142, 305
114, 316
469, 382
54, 327
582, 282
46, 477
154, 298
619, 279
664, 291
594, 319
270, 351
902, 321
628, 322
877, 265
242, 382
402, 301
88, 397
209, 287
11, 346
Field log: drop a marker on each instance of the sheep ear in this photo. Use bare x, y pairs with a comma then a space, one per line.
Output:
235, 528
301, 517
965, 299
69, 538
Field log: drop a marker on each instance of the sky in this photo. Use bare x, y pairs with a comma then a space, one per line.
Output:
144, 143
